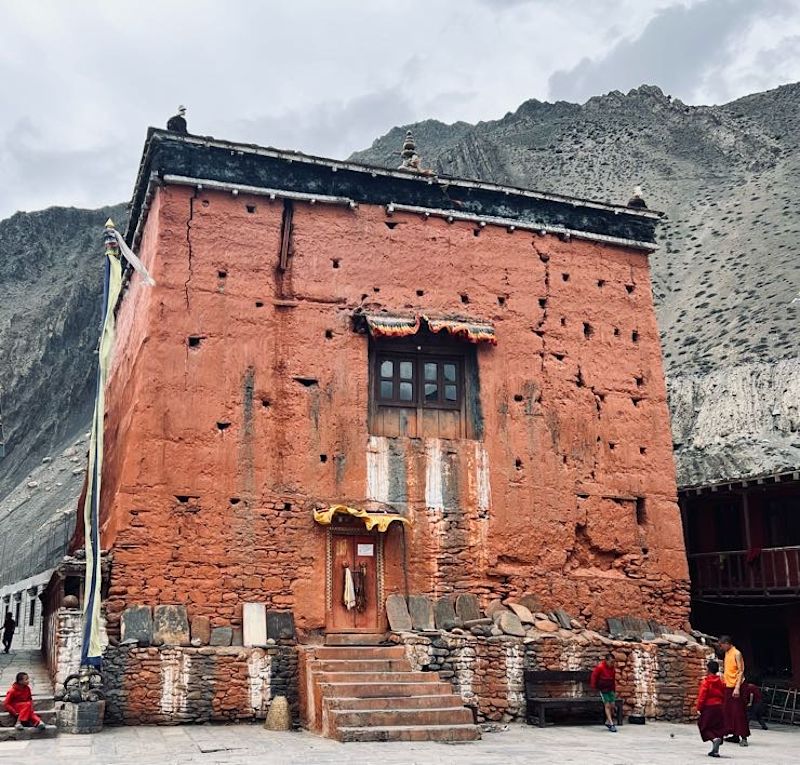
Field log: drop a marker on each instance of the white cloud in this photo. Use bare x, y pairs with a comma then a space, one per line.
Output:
81, 81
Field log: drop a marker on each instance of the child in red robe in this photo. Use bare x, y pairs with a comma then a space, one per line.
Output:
710, 700
19, 702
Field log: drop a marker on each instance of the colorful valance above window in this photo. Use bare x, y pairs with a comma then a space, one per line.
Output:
388, 325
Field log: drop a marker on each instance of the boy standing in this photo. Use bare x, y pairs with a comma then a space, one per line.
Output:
734, 708
604, 679
710, 701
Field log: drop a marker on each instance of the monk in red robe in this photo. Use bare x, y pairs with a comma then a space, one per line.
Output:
710, 701
19, 702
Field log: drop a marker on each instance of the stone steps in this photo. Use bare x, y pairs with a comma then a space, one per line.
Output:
371, 693
366, 690
434, 701
48, 716
354, 639
409, 733
366, 665
362, 678
324, 653
12, 734
362, 718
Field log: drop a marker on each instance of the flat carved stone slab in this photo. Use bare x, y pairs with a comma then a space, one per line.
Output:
397, 613
170, 625
420, 609
137, 624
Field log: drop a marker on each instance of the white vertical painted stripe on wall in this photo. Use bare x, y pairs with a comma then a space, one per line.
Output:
378, 469
484, 488
434, 497
259, 671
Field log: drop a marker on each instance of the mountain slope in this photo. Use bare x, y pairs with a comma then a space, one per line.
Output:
51, 283
727, 269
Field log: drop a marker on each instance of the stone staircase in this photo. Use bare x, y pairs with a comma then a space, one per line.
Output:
29, 661
370, 693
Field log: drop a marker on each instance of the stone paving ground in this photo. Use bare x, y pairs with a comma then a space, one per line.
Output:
652, 744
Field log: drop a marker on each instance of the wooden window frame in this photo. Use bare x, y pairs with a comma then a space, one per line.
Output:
418, 360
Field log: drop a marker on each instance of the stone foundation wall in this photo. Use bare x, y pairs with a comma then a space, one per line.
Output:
168, 685
657, 678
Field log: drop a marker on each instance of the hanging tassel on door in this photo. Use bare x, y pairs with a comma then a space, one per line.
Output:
349, 597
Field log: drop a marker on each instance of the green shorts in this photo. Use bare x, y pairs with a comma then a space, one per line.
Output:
609, 697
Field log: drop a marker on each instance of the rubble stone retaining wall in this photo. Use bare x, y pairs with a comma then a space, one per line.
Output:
170, 684
657, 678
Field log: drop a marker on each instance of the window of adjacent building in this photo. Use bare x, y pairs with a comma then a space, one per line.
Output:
16, 611
423, 387
32, 612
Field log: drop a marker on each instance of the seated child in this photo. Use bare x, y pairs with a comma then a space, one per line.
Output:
19, 702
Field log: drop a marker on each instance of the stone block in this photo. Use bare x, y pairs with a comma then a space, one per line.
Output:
494, 605
237, 636
524, 614
445, 613
397, 613
545, 625
563, 618
254, 621
280, 625
485, 622
137, 624
532, 602
201, 630
221, 636
420, 609
170, 625
614, 626
510, 624
467, 607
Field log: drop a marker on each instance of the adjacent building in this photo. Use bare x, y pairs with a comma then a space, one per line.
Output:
743, 544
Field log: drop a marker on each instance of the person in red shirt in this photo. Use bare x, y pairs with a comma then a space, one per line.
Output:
19, 702
710, 700
754, 701
604, 679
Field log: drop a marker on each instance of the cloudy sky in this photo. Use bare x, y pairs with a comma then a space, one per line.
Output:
80, 81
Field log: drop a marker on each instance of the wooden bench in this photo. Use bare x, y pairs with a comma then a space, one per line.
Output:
560, 689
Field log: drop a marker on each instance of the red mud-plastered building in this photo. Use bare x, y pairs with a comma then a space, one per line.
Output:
474, 367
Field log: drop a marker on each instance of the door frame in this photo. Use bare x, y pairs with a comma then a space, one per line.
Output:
353, 531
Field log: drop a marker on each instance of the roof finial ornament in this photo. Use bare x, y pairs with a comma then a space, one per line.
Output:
409, 153
411, 161
637, 201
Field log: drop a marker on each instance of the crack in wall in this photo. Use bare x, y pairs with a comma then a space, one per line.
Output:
189, 245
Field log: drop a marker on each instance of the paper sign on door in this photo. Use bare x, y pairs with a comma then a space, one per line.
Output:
366, 551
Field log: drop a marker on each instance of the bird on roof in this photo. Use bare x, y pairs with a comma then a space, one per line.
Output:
177, 124
637, 200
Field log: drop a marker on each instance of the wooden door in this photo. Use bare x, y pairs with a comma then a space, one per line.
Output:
359, 553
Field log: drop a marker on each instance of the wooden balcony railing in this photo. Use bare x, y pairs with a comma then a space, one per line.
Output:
774, 571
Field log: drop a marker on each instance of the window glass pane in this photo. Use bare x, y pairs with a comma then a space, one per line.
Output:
406, 391
430, 370
450, 372
406, 370
450, 393
387, 389
387, 369
431, 392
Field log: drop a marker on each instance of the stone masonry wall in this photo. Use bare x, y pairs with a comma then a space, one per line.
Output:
239, 396
657, 678
171, 685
